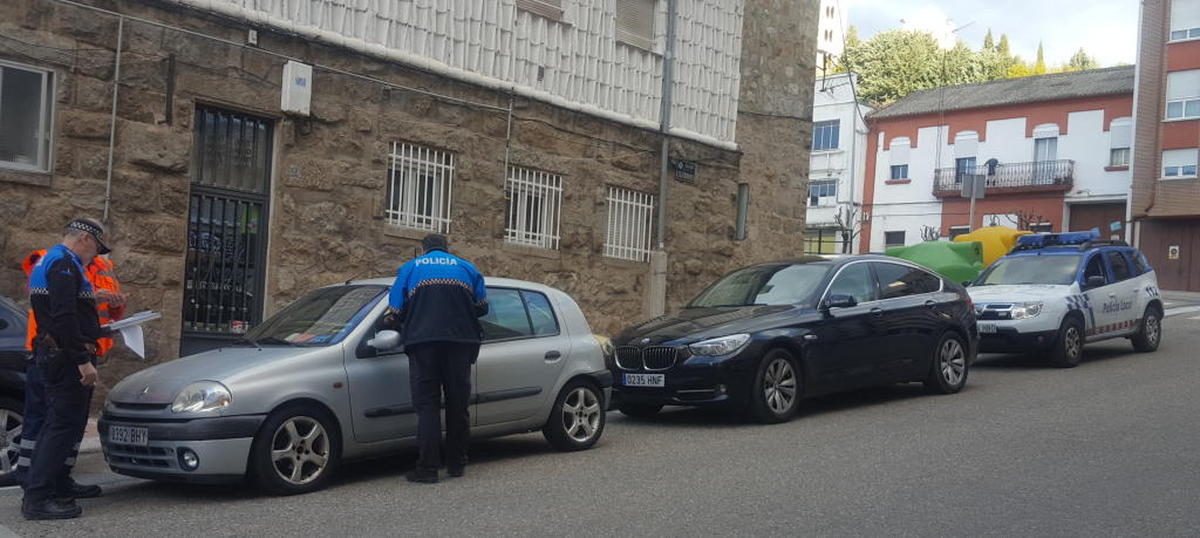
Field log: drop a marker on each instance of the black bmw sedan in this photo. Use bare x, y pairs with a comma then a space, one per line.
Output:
763, 337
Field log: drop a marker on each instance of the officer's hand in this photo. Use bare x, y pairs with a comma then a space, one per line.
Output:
115, 299
88, 375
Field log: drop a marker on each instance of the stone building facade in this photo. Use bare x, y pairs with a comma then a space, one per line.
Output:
310, 194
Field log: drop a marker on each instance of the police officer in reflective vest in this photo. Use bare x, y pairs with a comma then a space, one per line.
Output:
111, 306
437, 299
64, 305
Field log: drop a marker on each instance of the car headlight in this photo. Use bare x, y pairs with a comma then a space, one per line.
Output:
1026, 310
200, 397
720, 346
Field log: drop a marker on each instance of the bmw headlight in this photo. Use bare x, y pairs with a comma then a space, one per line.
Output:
724, 345
201, 396
1026, 310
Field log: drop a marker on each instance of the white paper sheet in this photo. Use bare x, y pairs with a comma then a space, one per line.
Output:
134, 339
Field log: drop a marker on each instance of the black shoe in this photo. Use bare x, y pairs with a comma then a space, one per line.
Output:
50, 509
422, 477
80, 491
456, 472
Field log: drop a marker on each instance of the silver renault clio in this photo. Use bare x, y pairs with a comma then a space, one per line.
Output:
317, 384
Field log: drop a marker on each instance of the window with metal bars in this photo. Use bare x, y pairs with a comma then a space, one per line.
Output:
534, 203
419, 188
630, 217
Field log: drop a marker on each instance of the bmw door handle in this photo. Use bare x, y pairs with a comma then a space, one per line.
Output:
931, 303
553, 355
877, 312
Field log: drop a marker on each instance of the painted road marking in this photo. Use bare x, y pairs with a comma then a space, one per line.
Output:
1181, 310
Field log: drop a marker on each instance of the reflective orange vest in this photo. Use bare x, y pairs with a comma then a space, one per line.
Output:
100, 274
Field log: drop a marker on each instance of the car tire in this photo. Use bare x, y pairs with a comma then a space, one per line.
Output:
10, 420
296, 450
1068, 346
1149, 332
776, 391
639, 410
949, 365
577, 418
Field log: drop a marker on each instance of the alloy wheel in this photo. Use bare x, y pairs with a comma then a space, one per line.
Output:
300, 450
952, 361
779, 386
1073, 343
581, 414
10, 431
1153, 329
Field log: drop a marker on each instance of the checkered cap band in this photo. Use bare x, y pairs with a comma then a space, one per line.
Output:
84, 226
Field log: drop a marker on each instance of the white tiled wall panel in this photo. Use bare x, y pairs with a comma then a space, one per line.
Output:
583, 63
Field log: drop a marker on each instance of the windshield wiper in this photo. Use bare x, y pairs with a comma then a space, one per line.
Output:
244, 340
271, 340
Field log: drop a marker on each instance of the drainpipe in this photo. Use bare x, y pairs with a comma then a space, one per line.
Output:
665, 123
112, 130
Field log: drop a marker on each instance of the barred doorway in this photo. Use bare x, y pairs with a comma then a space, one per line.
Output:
227, 228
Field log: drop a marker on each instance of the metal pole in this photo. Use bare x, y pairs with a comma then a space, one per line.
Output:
971, 222
665, 124
112, 130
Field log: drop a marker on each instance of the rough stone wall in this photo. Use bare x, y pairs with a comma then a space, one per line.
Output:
326, 217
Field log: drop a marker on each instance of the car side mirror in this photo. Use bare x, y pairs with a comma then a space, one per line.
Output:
1095, 281
840, 301
385, 340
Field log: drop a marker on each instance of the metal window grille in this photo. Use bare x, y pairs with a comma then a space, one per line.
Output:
893, 239
419, 188
534, 207
630, 217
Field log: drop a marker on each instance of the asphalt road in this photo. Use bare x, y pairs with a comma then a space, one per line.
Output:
1110, 448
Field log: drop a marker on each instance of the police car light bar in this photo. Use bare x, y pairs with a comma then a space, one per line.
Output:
1036, 241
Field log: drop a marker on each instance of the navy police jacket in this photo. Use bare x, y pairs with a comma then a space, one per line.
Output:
439, 297
64, 305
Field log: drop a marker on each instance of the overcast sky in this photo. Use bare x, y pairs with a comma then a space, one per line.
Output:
1106, 29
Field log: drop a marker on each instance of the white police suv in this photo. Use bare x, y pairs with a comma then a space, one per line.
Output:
1055, 292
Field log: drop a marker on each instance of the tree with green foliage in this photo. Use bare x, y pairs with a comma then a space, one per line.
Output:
852, 37
1081, 61
989, 44
895, 63
1039, 67
1002, 48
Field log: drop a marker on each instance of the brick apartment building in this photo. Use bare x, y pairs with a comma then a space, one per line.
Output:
1052, 149
1165, 204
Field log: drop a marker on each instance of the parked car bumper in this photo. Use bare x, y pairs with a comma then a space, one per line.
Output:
1010, 340
221, 446
700, 383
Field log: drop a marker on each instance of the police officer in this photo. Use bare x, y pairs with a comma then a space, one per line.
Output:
64, 305
437, 300
100, 273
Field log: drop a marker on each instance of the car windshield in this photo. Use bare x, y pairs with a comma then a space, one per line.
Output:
320, 318
764, 285
1031, 270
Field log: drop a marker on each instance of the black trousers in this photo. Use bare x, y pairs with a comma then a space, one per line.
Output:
67, 402
436, 368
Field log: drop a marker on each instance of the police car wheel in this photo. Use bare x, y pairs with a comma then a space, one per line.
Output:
1068, 347
577, 419
296, 450
1150, 332
949, 367
10, 430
